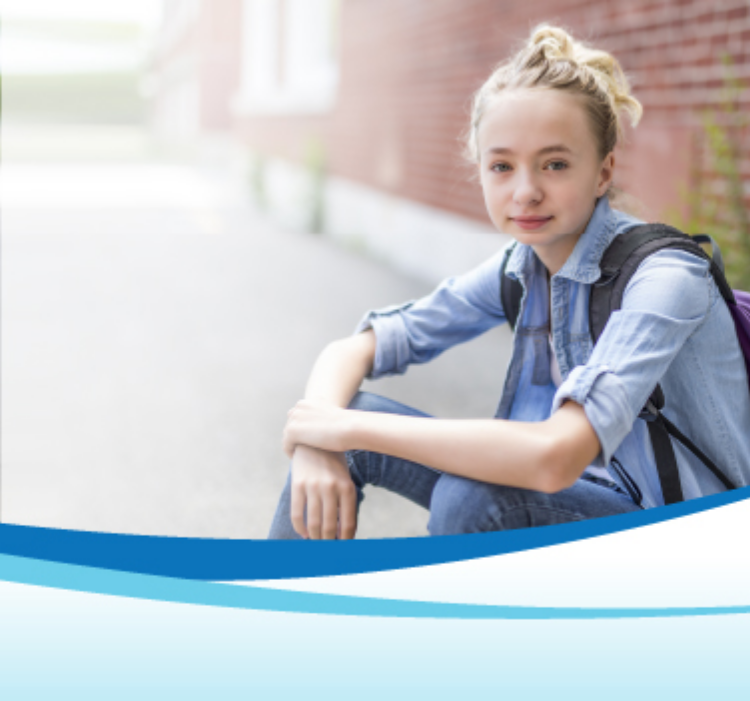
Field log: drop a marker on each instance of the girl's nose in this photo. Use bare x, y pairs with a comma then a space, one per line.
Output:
527, 190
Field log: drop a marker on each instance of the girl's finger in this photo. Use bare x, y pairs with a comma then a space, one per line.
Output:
348, 515
297, 511
314, 516
330, 515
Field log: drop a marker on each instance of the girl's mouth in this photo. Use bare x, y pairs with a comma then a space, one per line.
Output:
531, 222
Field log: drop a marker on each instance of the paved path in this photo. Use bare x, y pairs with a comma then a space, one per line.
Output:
155, 330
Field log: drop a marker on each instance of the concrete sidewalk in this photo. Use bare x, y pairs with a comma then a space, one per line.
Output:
156, 329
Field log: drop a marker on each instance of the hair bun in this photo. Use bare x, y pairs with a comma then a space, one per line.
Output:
548, 44
552, 43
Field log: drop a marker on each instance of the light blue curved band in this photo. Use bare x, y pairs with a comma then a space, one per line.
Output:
168, 589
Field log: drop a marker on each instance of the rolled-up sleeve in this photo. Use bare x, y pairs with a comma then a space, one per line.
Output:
666, 301
459, 309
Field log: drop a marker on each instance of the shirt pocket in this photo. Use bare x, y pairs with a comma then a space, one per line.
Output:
580, 348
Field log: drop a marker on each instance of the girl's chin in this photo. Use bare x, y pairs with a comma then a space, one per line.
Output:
532, 238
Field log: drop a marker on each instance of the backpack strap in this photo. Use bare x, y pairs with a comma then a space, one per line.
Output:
628, 251
511, 291
618, 264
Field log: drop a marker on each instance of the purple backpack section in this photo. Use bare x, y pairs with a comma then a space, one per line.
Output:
741, 315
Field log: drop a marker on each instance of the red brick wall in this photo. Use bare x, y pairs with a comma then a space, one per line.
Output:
408, 69
211, 44
220, 36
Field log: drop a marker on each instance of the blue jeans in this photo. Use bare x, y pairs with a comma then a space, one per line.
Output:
458, 504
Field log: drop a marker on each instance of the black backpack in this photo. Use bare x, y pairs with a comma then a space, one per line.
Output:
618, 264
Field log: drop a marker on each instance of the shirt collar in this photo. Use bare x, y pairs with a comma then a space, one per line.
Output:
583, 263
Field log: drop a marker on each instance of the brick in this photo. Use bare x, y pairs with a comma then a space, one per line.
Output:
433, 54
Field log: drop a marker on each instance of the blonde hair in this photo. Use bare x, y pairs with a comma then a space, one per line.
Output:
552, 59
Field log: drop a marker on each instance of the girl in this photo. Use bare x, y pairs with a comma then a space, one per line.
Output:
565, 443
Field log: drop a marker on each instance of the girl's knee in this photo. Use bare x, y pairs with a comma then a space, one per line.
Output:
461, 505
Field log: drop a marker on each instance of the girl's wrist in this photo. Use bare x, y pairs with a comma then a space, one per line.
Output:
354, 434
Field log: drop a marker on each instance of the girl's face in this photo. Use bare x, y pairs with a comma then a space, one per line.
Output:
540, 170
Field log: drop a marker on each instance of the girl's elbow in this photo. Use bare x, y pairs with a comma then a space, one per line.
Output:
569, 445
550, 482
559, 482
557, 469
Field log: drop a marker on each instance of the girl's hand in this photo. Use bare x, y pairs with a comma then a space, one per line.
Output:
321, 484
317, 424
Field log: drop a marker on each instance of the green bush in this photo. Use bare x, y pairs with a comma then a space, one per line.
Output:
715, 202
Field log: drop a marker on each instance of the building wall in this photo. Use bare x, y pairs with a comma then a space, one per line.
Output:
408, 69
196, 67
221, 36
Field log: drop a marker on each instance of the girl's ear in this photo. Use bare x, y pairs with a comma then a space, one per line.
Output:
606, 174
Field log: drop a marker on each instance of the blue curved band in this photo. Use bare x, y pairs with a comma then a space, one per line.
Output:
228, 560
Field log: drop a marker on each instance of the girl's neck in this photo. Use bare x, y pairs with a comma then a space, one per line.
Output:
555, 254
553, 257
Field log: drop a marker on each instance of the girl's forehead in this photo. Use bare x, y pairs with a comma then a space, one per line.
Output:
534, 99
531, 118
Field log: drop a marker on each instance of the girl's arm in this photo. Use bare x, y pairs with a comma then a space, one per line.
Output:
321, 485
414, 332
340, 368
545, 456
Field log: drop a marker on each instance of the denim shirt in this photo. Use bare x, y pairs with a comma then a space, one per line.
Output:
674, 328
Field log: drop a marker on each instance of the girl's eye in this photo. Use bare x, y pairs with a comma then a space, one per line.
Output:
500, 167
557, 165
